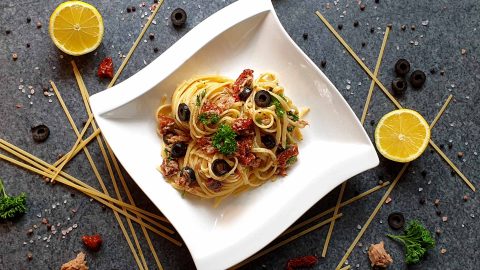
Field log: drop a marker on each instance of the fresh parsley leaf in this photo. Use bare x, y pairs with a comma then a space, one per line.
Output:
290, 128
279, 110
417, 241
291, 160
209, 118
11, 206
293, 116
200, 97
224, 140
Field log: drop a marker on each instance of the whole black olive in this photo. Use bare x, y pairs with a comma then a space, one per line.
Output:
263, 98
189, 174
178, 150
183, 112
268, 141
245, 93
220, 167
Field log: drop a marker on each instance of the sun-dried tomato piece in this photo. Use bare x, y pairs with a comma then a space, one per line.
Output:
306, 261
92, 242
165, 124
243, 126
283, 157
244, 154
245, 79
105, 70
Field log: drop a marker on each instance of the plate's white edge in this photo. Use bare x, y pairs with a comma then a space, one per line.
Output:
362, 162
203, 33
222, 20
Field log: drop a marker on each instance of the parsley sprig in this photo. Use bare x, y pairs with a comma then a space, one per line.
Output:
11, 206
208, 118
200, 97
279, 110
417, 241
224, 140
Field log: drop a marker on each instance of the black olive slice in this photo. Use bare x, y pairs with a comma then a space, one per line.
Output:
183, 112
220, 167
178, 17
268, 141
396, 220
263, 98
40, 133
178, 150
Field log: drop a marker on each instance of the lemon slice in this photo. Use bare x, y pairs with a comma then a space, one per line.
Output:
402, 135
76, 27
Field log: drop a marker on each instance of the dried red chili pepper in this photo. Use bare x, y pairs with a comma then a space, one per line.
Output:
92, 242
306, 261
105, 70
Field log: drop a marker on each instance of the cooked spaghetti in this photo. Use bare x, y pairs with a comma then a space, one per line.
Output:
223, 137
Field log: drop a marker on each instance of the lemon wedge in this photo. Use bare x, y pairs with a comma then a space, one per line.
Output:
402, 135
76, 27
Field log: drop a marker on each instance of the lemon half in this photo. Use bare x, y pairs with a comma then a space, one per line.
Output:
76, 27
402, 135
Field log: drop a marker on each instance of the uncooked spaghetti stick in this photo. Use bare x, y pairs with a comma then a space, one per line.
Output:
382, 201
90, 192
130, 199
69, 155
135, 44
442, 154
46, 170
286, 241
439, 114
326, 212
332, 224
359, 61
79, 147
387, 93
375, 73
139, 258
372, 215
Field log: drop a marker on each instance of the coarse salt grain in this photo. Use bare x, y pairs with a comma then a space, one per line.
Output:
388, 200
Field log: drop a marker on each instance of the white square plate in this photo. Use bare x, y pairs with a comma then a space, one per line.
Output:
246, 34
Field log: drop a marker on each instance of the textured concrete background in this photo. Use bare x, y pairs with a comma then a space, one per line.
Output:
452, 26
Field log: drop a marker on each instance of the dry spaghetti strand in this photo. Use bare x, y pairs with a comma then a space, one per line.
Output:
382, 201
135, 44
387, 93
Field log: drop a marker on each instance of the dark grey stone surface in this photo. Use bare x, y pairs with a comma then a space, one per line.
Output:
452, 26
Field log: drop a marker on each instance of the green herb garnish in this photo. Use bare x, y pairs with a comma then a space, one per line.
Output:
279, 110
293, 116
291, 160
209, 118
290, 128
11, 206
417, 241
224, 140
200, 97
